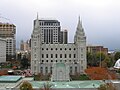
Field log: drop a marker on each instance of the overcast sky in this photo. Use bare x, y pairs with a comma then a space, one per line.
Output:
100, 18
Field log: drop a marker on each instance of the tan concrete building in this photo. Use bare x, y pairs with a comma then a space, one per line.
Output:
8, 32
2, 50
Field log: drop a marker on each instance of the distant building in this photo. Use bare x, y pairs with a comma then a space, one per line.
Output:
25, 46
97, 49
25, 50
8, 32
2, 50
44, 54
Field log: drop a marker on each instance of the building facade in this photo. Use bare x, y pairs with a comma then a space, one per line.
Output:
97, 49
25, 46
44, 55
2, 50
8, 32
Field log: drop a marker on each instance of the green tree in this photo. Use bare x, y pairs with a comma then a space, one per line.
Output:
26, 86
25, 62
89, 59
117, 56
107, 62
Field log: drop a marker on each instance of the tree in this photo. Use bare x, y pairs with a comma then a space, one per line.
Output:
89, 59
25, 62
47, 86
26, 86
95, 59
107, 86
107, 62
117, 56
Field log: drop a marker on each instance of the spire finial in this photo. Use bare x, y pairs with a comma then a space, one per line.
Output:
79, 17
37, 15
37, 22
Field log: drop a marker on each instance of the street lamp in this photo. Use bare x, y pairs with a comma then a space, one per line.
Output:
100, 57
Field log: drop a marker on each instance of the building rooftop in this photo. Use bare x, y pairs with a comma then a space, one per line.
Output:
9, 79
71, 84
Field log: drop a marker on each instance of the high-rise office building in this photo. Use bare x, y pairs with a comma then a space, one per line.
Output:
51, 31
63, 37
8, 32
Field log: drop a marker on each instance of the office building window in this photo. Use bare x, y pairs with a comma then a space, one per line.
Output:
46, 70
74, 49
76, 69
35, 43
65, 55
55, 55
46, 55
51, 60
51, 55
81, 49
51, 70
42, 55
81, 55
35, 55
41, 69
60, 55
69, 55
74, 55
70, 70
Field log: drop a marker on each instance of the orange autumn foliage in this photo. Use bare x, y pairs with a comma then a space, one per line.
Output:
97, 73
3, 72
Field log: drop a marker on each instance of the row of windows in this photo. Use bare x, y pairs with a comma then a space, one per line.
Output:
60, 55
75, 62
59, 48
49, 24
46, 69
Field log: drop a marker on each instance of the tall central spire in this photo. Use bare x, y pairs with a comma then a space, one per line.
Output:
79, 26
37, 16
37, 22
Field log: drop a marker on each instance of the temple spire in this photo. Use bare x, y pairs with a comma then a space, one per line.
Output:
79, 26
37, 15
37, 22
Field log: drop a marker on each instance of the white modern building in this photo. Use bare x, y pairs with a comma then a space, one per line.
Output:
2, 50
44, 56
10, 46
